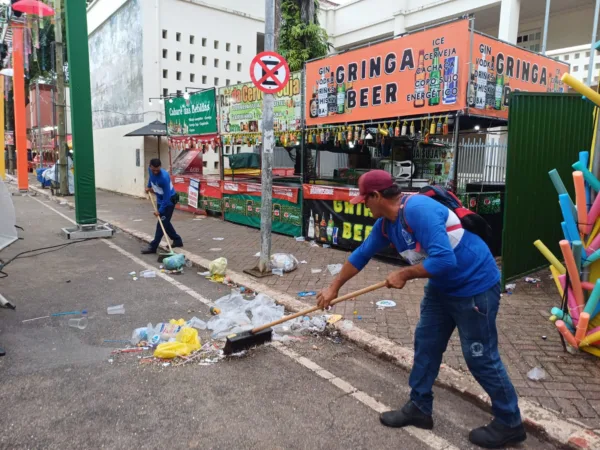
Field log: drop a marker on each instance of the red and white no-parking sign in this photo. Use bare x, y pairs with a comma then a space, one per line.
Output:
269, 72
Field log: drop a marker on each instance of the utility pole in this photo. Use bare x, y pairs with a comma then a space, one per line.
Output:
266, 209
63, 166
39, 124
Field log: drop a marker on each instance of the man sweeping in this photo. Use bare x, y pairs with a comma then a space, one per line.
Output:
166, 198
463, 292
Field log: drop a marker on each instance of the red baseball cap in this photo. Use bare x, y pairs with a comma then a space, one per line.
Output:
372, 181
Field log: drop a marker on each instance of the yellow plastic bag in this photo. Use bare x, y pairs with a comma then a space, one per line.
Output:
218, 267
186, 342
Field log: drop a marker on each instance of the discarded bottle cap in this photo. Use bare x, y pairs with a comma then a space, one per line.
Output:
214, 310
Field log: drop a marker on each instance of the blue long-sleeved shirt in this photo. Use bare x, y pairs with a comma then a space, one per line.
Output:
163, 188
461, 265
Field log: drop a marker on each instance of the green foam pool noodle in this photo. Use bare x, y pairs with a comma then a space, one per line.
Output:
564, 317
577, 251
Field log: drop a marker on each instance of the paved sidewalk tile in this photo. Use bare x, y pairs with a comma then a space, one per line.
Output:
572, 386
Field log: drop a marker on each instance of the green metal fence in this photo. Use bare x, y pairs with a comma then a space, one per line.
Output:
546, 131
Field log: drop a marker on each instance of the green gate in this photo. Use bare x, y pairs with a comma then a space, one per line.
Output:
546, 131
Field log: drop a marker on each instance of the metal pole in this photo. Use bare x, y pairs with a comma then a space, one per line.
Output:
546, 20
302, 124
63, 165
267, 153
38, 114
593, 46
456, 150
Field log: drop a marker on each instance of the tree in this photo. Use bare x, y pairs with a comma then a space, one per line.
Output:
300, 36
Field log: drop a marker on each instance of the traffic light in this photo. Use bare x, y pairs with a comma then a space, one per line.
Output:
15, 13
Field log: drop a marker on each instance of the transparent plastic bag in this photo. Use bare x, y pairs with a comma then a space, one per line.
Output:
186, 342
284, 261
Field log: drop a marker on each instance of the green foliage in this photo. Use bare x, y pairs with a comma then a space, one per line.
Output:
298, 41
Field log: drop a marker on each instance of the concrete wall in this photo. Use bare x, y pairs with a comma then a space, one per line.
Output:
116, 62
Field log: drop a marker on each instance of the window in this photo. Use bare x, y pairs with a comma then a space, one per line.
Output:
216, 164
587, 54
205, 164
217, 62
192, 59
577, 55
165, 92
178, 37
164, 34
239, 67
165, 73
204, 60
595, 79
178, 76
597, 66
227, 82
566, 57
165, 53
203, 42
227, 65
586, 67
530, 40
226, 149
203, 79
216, 81
238, 149
216, 44
192, 39
178, 93
228, 47
239, 49
575, 68
178, 56
239, 82
192, 77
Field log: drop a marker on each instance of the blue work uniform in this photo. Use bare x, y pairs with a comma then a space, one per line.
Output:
463, 292
166, 199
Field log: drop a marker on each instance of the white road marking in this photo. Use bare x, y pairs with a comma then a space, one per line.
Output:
426, 436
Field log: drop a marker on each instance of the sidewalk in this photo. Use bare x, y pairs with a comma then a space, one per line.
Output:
572, 386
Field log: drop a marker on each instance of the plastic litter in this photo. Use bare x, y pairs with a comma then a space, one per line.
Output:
334, 269
531, 280
174, 262
214, 250
300, 239
194, 322
118, 309
218, 239
313, 271
80, 323
347, 325
186, 342
313, 244
148, 274
284, 261
536, 374
386, 303
277, 272
326, 246
204, 274
510, 288
69, 313
218, 267
307, 294
257, 255
303, 262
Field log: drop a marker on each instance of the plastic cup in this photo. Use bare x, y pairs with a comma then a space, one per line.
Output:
118, 309
80, 323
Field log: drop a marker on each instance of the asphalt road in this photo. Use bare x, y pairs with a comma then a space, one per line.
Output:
60, 390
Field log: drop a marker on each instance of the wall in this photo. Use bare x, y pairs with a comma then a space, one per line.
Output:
115, 160
116, 68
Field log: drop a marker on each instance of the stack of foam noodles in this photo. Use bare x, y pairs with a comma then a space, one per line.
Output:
578, 318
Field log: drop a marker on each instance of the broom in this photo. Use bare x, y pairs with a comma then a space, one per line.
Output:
264, 333
177, 261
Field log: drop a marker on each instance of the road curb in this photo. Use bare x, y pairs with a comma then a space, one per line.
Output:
544, 422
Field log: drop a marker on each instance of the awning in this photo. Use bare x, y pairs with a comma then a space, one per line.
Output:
155, 128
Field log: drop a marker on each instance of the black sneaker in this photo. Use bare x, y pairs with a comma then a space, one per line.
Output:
2, 352
497, 435
410, 414
148, 250
177, 244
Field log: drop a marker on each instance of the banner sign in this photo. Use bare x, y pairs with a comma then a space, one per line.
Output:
211, 197
193, 193
9, 138
255, 189
421, 73
194, 116
244, 208
500, 68
240, 107
330, 218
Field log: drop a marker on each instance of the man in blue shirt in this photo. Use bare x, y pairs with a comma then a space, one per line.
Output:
463, 292
166, 198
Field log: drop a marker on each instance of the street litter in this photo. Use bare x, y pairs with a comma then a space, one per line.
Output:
175, 262
284, 261
532, 280
536, 374
37, 318
138, 220
300, 239
347, 325
148, 274
386, 304
510, 288
326, 246
119, 309
313, 271
194, 322
111, 278
214, 250
129, 350
277, 272
307, 294
80, 323
334, 269
257, 255
302, 262
69, 313
204, 274
186, 342
313, 244
214, 310
334, 318
218, 267
218, 239
132, 274
116, 341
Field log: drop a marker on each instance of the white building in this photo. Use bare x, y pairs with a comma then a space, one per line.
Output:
145, 49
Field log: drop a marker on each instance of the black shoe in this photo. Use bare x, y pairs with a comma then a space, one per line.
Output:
408, 415
177, 244
148, 250
497, 435
2, 352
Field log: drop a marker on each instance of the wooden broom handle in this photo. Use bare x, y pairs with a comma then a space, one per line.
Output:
316, 308
161, 224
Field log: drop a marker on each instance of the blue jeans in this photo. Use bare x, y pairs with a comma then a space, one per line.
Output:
165, 217
475, 318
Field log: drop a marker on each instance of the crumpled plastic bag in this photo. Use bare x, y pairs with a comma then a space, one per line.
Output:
186, 342
174, 262
232, 301
218, 266
228, 322
284, 261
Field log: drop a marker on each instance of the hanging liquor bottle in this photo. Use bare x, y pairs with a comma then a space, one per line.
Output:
397, 129
432, 127
403, 132
438, 126
362, 135
412, 128
445, 127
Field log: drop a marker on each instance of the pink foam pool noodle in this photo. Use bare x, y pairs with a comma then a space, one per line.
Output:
573, 272
593, 214
582, 213
562, 328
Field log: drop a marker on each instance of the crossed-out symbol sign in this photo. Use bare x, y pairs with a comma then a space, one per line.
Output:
269, 72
